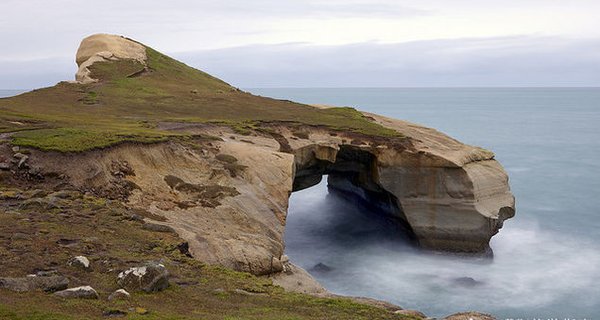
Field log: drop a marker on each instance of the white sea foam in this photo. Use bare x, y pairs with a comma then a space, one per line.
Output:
534, 273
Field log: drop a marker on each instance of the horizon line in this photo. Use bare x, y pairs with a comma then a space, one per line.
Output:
381, 87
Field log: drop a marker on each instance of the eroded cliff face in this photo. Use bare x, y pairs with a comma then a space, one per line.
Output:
226, 194
226, 191
105, 47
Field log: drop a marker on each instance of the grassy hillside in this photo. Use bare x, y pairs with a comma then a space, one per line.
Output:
130, 100
41, 230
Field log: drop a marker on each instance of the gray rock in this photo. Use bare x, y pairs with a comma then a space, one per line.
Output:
150, 277
276, 265
467, 282
22, 163
84, 292
19, 155
321, 267
49, 283
4, 166
79, 262
47, 273
120, 294
21, 158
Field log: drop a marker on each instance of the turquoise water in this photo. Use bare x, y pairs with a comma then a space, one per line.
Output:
547, 259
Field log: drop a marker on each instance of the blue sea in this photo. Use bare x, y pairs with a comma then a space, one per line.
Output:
546, 260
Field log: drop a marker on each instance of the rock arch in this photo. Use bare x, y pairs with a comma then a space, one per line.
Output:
447, 207
351, 172
453, 197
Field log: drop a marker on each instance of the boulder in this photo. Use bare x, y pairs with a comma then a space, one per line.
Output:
48, 283
120, 294
150, 277
321, 267
21, 159
105, 47
296, 279
84, 292
276, 265
466, 282
79, 262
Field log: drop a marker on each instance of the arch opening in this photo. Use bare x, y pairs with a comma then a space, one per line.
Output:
352, 177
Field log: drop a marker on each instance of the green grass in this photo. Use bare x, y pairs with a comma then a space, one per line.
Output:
130, 99
75, 140
113, 243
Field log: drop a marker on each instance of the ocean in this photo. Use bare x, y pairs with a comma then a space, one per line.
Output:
546, 260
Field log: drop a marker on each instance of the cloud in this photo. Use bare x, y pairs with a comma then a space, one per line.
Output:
326, 9
501, 61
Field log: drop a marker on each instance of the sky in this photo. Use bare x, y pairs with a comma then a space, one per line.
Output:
332, 43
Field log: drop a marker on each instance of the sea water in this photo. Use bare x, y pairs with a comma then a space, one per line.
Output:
546, 260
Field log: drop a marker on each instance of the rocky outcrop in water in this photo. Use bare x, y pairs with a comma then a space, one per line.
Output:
451, 196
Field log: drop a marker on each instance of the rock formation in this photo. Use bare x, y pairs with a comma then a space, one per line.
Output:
105, 47
223, 185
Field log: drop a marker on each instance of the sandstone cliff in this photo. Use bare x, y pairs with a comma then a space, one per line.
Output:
222, 163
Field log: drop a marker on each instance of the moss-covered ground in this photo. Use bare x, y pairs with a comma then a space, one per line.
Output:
131, 99
44, 233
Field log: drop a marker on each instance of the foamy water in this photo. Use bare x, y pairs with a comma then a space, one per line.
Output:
534, 273
547, 258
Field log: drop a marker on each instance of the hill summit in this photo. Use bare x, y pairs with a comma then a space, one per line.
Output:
124, 89
146, 159
106, 47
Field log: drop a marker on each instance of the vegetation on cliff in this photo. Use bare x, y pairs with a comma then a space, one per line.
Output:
132, 99
47, 221
42, 230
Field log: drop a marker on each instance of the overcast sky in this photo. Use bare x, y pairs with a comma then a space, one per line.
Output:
332, 43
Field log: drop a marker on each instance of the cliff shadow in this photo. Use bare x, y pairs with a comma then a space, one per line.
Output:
353, 188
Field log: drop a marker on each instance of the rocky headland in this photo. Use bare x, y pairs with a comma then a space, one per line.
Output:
147, 149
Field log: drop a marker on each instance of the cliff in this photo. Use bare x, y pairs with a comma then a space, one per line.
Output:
217, 165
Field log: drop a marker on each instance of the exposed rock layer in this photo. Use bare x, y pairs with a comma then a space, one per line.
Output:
105, 47
237, 218
227, 197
